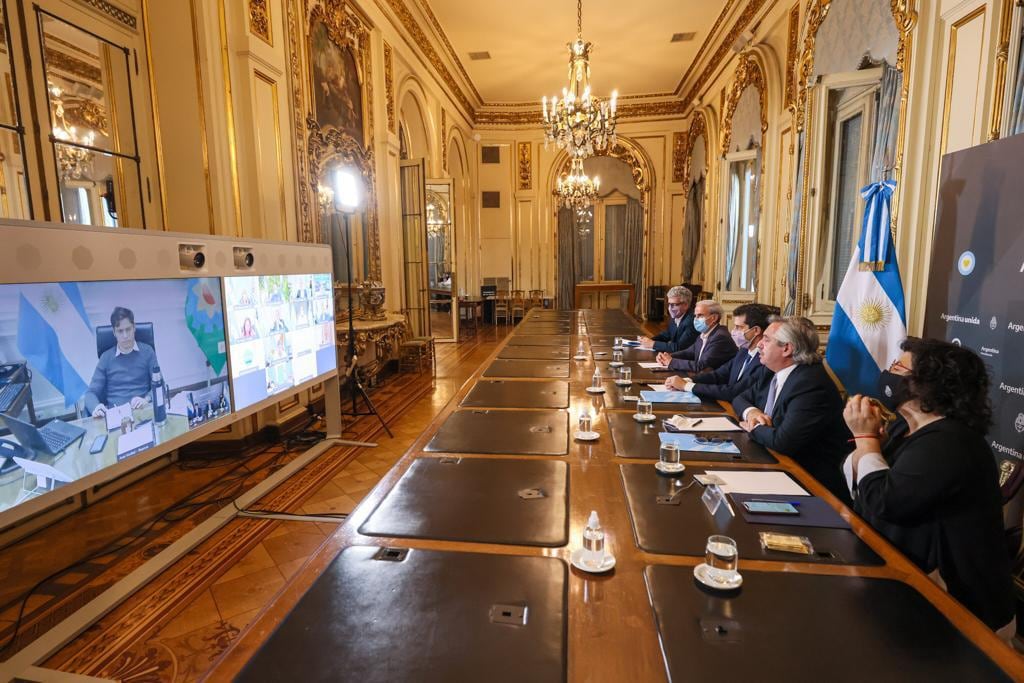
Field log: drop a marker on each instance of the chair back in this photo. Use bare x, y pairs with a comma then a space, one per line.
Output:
105, 337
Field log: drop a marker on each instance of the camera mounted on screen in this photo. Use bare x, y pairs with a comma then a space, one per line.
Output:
191, 256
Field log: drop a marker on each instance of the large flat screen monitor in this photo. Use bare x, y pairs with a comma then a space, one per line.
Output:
93, 373
281, 332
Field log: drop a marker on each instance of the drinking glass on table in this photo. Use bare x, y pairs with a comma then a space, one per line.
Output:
627, 375
585, 422
618, 343
645, 409
617, 357
722, 559
669, 457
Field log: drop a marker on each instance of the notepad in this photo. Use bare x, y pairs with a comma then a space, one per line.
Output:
688, 442
669, 397
761, 483
135, 439
650, 366
702, 424
658, 387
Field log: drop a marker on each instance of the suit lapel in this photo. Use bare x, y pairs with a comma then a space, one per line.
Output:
786, 389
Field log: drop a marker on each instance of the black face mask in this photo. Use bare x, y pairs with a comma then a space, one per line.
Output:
893, 390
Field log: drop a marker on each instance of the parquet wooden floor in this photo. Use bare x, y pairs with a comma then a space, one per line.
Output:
173, 628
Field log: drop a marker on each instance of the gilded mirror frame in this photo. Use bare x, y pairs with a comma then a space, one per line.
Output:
905, 16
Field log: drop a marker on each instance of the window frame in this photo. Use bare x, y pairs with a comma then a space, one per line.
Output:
738, 295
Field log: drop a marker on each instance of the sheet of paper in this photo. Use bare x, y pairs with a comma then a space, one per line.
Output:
630, 342
135, 439
115, 414
659, 387
760, 483
650, 366
669, 397
703, 424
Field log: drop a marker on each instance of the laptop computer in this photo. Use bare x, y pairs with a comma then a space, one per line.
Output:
53, 438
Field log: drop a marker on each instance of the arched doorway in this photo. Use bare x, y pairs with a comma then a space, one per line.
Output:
607, 245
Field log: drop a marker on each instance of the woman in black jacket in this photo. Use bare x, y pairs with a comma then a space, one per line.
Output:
933, 489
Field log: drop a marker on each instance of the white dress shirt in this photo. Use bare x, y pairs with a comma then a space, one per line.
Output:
780, 378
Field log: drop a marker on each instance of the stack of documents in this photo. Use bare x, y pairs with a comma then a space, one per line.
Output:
762, 483
669, 396
702, 424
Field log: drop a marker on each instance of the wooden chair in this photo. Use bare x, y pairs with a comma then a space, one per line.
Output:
536, 298
501, 306
518, 304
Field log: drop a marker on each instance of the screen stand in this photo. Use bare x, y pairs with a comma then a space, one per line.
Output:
355, 387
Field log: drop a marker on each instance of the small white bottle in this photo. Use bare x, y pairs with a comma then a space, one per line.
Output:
593, 541
596, 379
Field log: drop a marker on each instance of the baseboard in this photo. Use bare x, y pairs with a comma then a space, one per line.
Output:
214, 449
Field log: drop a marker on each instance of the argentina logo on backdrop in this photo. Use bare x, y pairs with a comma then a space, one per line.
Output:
965, 264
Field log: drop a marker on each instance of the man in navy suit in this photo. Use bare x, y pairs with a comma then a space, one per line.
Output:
713, 348
799, 412
680, 333
744, 370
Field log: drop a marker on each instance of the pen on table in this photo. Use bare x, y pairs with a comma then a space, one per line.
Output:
697, 422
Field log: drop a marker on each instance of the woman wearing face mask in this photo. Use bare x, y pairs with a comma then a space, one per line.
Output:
933, 489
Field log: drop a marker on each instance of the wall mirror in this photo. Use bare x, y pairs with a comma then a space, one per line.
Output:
441, 276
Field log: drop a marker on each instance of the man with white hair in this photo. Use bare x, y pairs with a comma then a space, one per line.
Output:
680, 333
799, 412
713, 347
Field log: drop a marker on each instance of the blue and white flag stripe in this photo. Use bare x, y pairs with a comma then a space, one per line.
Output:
869, 320
55, 337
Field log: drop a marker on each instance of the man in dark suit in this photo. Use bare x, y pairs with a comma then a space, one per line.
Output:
744, 370
799, 411
680, 333
712, 349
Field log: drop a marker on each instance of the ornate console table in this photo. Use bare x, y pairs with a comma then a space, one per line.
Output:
377, 342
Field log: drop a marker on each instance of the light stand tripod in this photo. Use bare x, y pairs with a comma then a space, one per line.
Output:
351, 378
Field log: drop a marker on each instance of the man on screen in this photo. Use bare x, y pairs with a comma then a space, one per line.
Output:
124, 372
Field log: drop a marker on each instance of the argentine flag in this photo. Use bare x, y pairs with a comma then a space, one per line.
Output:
55, 337
869, 321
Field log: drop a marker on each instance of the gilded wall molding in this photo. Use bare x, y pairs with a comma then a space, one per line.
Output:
698, 128
389, 87
724, 49
792, 51
748, 74
444, 141
678, 157
259, 20
1002, 63
525, 165
298, 120
629, 153
114, 12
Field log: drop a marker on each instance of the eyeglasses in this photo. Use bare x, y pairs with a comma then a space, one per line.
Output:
706, 440
896, 365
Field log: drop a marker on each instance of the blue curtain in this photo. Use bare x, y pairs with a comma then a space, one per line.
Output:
794, 230
887, 123
1016, 120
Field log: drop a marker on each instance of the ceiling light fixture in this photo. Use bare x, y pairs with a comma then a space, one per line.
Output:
580, 123
575, 190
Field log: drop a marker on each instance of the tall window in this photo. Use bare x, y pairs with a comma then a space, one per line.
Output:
601, 243
739, 257
15, 201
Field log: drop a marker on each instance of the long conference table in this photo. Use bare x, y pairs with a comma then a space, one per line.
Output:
456, 567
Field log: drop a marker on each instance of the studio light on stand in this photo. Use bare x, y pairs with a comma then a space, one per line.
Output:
346, 198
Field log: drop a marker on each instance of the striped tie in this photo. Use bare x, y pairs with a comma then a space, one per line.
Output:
769, 405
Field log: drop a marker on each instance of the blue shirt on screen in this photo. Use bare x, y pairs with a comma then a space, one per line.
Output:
120, 377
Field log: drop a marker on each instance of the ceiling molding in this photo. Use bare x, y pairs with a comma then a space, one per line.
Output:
705, 45
506, 115
452, 54
724, 48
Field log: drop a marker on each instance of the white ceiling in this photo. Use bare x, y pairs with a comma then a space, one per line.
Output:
526, 39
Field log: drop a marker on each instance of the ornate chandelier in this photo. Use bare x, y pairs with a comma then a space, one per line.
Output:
575, 190
579, 123
75, 161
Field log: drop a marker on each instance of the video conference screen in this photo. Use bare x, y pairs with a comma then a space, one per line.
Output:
92, 373
281, 332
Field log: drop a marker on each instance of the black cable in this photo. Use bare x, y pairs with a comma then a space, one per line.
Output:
187, 503
284, 513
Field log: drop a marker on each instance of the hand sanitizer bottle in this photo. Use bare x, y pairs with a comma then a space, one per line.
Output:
593, 541
596, 379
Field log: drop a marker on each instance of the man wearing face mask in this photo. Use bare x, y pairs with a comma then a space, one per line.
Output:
712, 349
933, 488
744, 370
680, 333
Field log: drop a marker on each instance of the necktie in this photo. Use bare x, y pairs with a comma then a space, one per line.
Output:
769, 405
744, 366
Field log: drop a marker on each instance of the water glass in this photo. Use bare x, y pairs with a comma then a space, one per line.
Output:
581, 350
596, 381
585, 422
644, 409
616, 356
618, 343
627, 375
669, 457
722, 559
